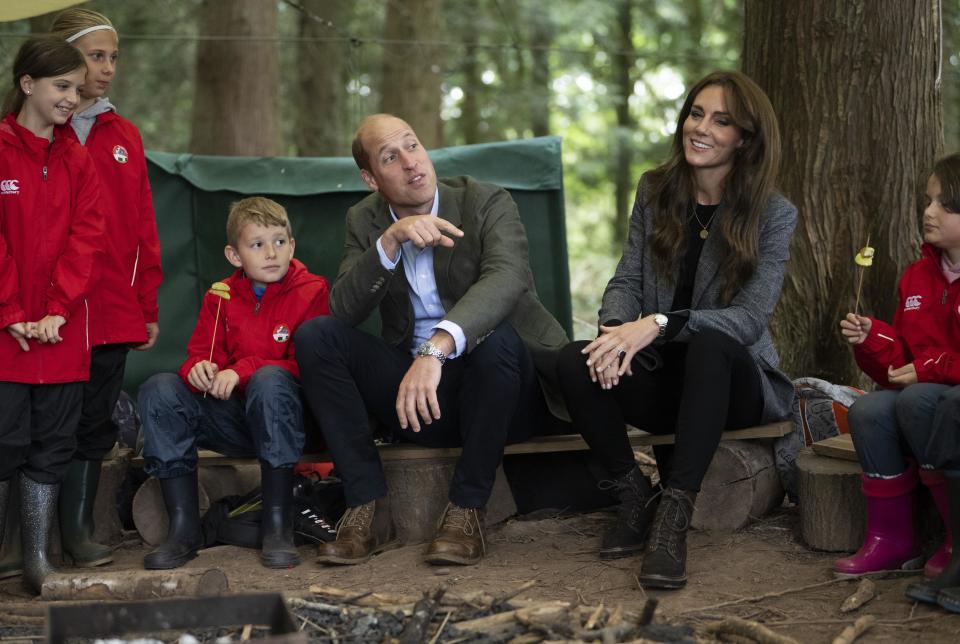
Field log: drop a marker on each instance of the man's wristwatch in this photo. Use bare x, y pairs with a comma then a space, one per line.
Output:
662, 321
428, 348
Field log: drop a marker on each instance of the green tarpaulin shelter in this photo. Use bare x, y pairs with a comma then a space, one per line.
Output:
191, 196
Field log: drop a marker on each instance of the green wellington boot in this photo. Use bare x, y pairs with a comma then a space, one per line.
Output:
77, 495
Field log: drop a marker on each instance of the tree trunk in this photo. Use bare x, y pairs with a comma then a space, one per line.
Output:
854, 85
540, 90
321, 80
472, 87
623, 59
235, 106
411, 67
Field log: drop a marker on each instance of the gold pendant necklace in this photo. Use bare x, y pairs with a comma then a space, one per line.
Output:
704, 232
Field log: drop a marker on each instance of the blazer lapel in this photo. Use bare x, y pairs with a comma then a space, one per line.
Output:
397, 289
448, 209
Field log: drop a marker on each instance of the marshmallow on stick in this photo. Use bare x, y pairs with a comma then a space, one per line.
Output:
863, 259
222, 291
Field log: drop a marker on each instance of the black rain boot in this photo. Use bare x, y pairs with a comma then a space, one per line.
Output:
184, 536
276, 485
11, 564
638, 505
38, 501
77, 495
935, 591
665, 564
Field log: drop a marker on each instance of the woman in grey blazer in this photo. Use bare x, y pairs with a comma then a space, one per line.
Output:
684, 345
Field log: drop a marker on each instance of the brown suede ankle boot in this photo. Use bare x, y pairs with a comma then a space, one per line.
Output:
459, 539
363, 531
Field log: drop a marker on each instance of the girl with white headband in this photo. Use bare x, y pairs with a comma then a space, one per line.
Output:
123, 303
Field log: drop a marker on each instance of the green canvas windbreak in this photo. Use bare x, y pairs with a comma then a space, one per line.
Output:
192, 194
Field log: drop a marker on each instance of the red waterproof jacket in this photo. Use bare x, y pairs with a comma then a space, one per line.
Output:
925, 331
124, 297
253, 334
51, 234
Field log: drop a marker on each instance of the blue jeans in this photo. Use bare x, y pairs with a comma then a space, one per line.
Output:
891, 424
265, 422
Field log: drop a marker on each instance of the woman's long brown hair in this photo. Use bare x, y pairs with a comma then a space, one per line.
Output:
746, 191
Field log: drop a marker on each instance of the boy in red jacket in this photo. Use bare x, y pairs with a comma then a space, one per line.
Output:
243, 397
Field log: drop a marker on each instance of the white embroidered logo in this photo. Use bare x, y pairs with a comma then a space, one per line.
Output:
10, 187
912, 303
120, 154
281, 333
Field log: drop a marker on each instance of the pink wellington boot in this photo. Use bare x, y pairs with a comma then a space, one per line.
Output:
889, 542
934, 481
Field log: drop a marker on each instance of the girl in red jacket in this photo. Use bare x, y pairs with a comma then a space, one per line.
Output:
123, 304
50, 239
916, 362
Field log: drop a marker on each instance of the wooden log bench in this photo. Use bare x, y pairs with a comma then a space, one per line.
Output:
741, 483
833, 510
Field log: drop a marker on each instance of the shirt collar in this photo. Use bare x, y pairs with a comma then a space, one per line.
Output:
433, 210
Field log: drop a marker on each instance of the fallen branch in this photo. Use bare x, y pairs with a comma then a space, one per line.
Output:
415, 631
866, 591
498, 622
750, 630
758, 598
855, 630
135, 584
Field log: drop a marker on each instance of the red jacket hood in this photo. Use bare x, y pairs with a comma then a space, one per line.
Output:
297, 275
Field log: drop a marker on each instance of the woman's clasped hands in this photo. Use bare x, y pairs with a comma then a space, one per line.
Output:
609, 356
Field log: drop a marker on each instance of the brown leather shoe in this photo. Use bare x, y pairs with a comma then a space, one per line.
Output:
362, 532
459, 539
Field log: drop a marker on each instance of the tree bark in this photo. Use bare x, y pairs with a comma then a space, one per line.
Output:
411, 67
854, 85
98, 585
469, 120
321, 80
235, 106
540, 91
623, 64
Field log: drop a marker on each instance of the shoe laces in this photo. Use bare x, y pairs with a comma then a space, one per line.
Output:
465, 520
672, 521
360, 516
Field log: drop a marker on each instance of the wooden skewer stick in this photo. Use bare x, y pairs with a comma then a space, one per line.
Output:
863, 269
222, 291
216, 323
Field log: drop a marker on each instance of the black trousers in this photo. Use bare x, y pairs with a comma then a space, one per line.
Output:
38, 425
97, 433
488, 398
705, 386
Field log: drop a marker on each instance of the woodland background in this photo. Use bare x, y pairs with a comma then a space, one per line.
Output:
867, 92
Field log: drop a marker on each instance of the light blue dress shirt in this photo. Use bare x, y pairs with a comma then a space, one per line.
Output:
428, 311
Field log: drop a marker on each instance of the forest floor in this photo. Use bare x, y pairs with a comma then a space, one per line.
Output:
762, 573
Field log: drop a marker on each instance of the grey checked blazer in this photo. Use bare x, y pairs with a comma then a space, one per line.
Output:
635, 290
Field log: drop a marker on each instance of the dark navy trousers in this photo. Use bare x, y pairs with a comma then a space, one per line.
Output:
265, 422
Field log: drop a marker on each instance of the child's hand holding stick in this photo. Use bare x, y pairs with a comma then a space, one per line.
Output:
222, 291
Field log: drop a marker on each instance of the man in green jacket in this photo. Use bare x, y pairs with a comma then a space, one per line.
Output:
467, 351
